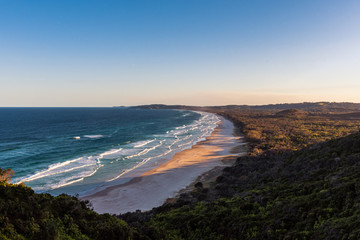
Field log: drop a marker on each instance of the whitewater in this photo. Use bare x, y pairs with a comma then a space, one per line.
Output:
74, 151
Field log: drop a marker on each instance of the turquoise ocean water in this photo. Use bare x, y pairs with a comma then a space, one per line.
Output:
74, 150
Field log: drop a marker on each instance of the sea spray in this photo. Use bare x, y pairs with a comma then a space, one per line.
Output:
74, 150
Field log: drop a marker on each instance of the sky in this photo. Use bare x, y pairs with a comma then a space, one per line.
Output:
193, 52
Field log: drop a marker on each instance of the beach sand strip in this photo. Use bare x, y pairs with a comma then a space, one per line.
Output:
153, 187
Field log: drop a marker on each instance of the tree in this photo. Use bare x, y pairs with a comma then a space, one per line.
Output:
6, 174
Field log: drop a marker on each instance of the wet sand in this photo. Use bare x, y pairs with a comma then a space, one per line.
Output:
153, 187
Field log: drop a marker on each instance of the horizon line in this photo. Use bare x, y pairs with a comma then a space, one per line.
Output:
163, 104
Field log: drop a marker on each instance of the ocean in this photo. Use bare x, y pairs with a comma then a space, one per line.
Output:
75, 150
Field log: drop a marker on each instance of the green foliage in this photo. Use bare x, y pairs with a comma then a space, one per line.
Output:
279, 133
301, 180
27, 215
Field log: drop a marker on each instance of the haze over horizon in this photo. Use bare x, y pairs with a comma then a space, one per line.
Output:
92, 53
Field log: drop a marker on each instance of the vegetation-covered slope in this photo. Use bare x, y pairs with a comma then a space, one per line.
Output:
301, 180
314, 193
27, 215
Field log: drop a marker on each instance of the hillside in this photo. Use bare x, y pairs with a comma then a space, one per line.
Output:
292, 113
313, 194
27, 215
300, 180
315, 107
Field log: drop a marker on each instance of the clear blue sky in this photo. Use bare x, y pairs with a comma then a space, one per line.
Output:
200, 52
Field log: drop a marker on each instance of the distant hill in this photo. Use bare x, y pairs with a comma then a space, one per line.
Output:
292, 113
349, 116
317, 107
314, 107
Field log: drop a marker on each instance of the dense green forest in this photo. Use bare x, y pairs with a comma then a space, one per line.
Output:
27, 215
299, 180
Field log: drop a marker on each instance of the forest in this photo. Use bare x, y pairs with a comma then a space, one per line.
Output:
299, 180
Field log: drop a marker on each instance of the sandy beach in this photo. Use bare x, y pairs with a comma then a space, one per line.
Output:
151, 188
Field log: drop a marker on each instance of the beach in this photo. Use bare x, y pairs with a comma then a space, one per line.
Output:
150, 187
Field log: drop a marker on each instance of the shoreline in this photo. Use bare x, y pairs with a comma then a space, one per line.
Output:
153, 187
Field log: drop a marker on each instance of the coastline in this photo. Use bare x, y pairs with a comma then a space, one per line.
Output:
154, 186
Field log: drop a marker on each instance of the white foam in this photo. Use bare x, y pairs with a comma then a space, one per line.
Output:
145, 151
92, 162
143, 143
74, 179
76, 170
205, 126
94, 136
180, 132
138, 165
111, 153
185, 144
59, 168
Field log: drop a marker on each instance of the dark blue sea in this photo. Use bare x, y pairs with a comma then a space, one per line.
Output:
74, 150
